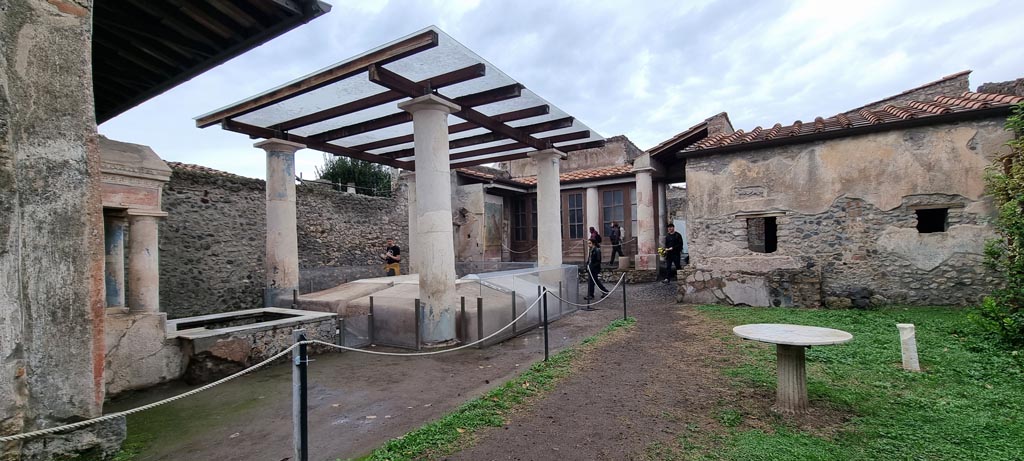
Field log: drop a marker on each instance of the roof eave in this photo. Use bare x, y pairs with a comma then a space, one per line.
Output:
989, 112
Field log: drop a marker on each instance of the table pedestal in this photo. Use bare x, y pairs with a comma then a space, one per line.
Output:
791, 396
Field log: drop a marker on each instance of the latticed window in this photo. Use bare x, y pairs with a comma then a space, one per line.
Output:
533, 217
611, 207
761, 235
519, 219
576, 216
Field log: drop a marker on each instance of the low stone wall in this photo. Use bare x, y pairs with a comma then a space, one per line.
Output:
779, 288
139, 355
213, 241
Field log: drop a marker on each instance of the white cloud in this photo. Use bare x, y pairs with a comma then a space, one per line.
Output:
646, 69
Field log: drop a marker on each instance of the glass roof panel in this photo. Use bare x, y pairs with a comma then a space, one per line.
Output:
449, 55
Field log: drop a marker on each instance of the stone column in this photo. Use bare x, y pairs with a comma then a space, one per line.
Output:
282, 263
434, 217
647, 245
549, 223
143, 261
412, 246
663, 218
593, 211
113, 267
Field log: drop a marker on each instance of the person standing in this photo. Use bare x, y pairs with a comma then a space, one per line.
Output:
615, 236
392, 257
673, 251
593, 269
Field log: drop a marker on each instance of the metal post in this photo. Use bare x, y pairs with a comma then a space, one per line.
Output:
300, 437
419, 316
560, 296
514, 314
545, 305
340, 336
369, 322
465, 321
624, 299
295, 299
480, 322
539, 288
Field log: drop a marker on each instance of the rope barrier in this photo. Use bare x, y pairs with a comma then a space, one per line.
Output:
574, 246
420, 354
616, 287
28, 435
80, 424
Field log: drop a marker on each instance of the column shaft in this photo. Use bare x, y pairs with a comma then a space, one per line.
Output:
549, 222
791, 395
113, 267
412, 247
282, 262
143, 264
434, 217
646, 258
594, 211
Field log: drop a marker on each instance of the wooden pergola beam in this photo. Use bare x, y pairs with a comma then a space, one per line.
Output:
440, 81
522, 155
556, 124
535, 111
515, 145
483, 97
388, 79
267, 133
396, 51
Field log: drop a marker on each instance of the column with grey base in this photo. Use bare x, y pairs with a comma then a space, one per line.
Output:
282, 263
434, 217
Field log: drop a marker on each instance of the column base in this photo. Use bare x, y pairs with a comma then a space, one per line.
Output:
278, 297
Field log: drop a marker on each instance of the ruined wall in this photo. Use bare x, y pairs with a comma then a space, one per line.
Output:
51, 233
951, 85
847, 206
677, 202
1014, 87
618, 150
213, 241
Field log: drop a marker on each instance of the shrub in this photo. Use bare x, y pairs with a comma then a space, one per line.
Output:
1003, 311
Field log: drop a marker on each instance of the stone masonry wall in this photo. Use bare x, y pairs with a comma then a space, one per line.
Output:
848, 209
213, 241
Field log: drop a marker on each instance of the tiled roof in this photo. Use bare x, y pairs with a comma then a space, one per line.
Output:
476, 174
863, 118
584, 175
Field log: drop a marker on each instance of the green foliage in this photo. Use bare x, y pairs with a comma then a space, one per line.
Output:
446, 434
369, 178
1003, 311
965, 405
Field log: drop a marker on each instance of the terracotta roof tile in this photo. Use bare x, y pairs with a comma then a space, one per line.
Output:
890, 113
583, 175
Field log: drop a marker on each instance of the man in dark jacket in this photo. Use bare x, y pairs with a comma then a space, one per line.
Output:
673, 251
594, 268
615, 236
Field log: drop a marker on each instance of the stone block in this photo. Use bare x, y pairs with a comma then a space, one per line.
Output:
139, 355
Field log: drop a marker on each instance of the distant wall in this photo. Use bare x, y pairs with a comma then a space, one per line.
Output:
212, 243
618, 150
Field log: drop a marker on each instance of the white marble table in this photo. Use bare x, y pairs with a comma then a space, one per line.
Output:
790, 342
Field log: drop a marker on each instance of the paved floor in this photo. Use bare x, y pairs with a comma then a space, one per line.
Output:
356, 401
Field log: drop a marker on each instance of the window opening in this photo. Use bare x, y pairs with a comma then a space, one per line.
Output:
576, 216
611, 208
519, 219
762, 235
932, 220
533, 217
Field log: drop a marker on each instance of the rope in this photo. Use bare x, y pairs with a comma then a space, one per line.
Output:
80, 424
28, 435
415, 354
573, 247
616, 287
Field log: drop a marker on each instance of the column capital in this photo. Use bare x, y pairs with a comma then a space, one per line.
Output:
540, 155
279, 145
429, 102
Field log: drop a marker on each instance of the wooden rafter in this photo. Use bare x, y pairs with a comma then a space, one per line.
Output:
396, 51
505, 158
535, 111
556, 124
266, 133
440, 81
393, 81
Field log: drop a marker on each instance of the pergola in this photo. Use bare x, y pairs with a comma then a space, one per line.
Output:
390, 106
348, 109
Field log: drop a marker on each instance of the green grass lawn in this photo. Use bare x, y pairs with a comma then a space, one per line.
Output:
968, 404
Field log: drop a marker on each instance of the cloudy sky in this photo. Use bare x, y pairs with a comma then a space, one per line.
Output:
645, 69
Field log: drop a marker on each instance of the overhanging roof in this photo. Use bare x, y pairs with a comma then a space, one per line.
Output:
141, 48
350, 108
